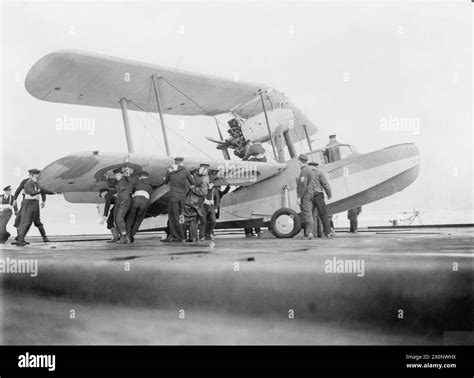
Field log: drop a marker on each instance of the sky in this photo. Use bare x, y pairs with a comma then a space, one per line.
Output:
350, 66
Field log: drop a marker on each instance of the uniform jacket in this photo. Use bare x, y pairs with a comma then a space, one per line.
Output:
123, 189
32, 188
143, 184
312, 180
178, 179
8, 201
197, 193
22, 186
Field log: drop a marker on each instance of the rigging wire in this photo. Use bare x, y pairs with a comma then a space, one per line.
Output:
174, 132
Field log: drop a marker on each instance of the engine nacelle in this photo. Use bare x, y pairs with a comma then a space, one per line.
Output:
256, 130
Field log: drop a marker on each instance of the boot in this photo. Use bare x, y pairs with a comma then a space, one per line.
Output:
43, 234
124, 239
115, 235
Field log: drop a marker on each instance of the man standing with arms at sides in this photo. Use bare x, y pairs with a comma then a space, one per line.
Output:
142, 190
109, 196
352, 215
7, 205
194, 204
177, 176
37, 221
211, 204
122, 204
305, 193
321, 184
29, 206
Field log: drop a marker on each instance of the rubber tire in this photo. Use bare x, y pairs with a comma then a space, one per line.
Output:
296, 223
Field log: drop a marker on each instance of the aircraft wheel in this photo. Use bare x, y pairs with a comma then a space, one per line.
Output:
285, 223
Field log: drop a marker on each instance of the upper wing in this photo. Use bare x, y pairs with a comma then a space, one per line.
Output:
76, 77
88, 171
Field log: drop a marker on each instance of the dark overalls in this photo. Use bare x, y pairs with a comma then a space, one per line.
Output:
142, 190
29, 208
37, 220
122, 204
209, 213
5, 215
178, 188
109, 208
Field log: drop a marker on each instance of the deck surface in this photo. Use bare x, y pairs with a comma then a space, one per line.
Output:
415, 288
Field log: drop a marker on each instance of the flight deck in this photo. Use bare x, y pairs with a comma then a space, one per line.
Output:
382, 286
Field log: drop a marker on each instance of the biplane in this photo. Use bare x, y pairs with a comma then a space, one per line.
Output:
264, 192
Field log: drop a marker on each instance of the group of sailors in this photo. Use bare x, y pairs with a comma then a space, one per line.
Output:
29, 212
126, 204
193, 205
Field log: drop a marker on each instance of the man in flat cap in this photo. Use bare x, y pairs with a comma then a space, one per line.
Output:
178, 177
123, 201
37, 221
321, 185
310, 195
141, 192
7, 205
305, 192
317, 223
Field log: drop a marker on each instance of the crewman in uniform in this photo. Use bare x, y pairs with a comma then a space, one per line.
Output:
178, 178
29, 206
305, 193
332, 151
317, 224
141, 193
122, 204
211, 204
194, 204
109, 196
254, 152
37, 221
7, 205
321, 185
222, 193
352, 215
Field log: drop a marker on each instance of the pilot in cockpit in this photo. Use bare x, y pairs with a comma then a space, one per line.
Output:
332, 150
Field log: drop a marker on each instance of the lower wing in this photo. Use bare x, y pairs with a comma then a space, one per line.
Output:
80, 176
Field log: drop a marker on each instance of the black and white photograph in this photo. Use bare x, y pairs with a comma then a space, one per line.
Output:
237, 173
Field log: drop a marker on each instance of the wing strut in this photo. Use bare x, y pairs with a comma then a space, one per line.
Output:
154, 79
268, 125
307, 137
126, 124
